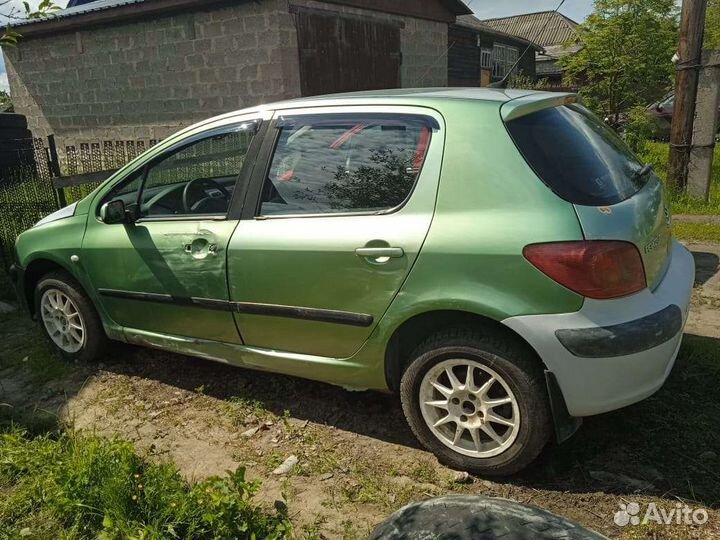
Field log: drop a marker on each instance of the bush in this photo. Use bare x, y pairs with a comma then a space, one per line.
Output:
637, 131
76, 487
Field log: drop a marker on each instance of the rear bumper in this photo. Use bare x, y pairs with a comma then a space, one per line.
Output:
613, 353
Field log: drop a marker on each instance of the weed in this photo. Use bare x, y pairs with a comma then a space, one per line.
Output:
656, 154
78, 487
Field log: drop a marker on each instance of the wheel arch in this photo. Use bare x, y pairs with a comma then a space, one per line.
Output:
411, 332
33, 273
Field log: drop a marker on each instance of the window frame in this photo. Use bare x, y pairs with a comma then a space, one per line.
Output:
267, 153
241, 180
503, 62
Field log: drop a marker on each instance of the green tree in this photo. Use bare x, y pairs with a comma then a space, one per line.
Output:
8, 36
712, 25
5, 101
625, 59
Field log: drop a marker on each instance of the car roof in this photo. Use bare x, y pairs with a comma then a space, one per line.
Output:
498, 95
514, 102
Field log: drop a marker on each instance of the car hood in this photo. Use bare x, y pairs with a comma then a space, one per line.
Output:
65, 212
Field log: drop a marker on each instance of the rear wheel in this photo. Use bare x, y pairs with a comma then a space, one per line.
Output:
479, 404
68, 318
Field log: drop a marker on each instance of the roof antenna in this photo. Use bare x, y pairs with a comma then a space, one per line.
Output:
502, 83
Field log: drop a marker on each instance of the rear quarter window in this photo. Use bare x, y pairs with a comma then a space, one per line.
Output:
577, 156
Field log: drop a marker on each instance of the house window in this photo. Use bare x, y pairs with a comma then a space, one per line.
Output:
486, 60
503, 58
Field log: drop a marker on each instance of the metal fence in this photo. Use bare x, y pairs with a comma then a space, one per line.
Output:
52, 178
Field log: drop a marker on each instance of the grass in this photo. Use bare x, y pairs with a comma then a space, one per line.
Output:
656, 153
57, 484
697, 232
81, 487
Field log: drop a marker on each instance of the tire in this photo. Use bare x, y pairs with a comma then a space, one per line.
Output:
56, 287
510, 417
478, 518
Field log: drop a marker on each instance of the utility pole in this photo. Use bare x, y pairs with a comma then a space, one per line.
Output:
692, 25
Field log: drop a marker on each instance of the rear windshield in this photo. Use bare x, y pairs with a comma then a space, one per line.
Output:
577, 155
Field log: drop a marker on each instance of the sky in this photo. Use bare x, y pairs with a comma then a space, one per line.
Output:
484, 9
488, 9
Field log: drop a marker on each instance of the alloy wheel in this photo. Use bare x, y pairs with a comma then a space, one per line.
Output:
469, 408
62, 320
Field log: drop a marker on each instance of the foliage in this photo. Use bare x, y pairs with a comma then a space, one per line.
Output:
80, 487
656, 154
711, 39
638, 129
625, 59
520, 80
9, 37
5, 101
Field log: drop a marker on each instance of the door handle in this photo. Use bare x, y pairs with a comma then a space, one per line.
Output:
380, 252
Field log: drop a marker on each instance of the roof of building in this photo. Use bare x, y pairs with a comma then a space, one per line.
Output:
544, 27
82, 7
473, 23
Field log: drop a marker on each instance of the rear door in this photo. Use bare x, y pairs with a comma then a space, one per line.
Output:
586, 163
339, 212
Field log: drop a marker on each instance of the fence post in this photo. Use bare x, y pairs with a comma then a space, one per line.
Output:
706, 126
55, 170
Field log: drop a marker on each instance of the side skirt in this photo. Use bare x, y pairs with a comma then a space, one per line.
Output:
339, 371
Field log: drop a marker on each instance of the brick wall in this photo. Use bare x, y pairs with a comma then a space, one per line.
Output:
145, 80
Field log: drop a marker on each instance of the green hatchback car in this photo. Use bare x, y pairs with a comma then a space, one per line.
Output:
499, 258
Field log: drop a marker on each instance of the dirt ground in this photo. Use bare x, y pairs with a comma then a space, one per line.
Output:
357, 461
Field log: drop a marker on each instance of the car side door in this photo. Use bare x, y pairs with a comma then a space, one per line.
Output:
164, 270
339, 206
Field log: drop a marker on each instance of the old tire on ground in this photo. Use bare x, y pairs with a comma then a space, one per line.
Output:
478, 518
477, 400
68, 318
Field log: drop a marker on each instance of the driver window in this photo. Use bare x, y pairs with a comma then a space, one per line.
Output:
197, 179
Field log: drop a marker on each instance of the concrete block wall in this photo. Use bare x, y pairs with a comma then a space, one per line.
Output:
145, 80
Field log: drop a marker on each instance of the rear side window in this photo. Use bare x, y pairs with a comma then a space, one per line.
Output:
335, 163
577, 156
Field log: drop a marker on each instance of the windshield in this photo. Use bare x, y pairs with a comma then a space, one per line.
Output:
577, 156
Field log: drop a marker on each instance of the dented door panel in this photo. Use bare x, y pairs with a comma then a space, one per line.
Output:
163, 276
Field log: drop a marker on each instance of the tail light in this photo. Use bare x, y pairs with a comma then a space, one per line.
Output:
596, 269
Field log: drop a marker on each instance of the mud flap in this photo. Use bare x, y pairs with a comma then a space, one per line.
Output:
565, 425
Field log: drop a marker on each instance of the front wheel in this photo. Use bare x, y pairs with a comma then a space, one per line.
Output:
68, 318
478, 403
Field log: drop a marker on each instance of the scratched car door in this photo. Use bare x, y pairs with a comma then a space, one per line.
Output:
166, 272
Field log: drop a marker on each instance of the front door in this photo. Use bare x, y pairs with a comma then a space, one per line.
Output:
344, 202
166, 272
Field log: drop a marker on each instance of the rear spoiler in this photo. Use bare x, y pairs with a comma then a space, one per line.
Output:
530, 103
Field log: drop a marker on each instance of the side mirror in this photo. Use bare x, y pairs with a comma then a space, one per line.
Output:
114, 212
659, 108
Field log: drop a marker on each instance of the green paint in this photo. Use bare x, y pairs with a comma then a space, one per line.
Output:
475, 206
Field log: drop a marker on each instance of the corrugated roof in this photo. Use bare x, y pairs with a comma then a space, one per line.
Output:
81, 7
544, 27
472, 22
89, 7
